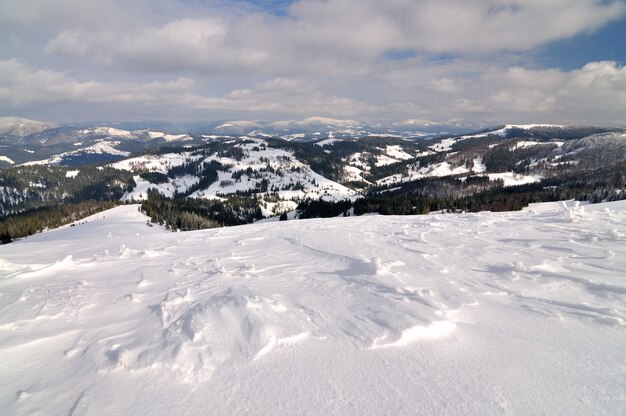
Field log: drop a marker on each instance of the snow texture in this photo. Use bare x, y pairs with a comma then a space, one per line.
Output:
476, 314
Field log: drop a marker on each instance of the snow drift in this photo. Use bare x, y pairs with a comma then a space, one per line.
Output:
508, 313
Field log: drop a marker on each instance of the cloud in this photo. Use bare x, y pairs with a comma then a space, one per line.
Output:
22, 86
442, 85
287, 95
368, 59
336, 32
595, 93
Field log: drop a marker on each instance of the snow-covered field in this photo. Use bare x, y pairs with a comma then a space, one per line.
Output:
7, 160
477, 314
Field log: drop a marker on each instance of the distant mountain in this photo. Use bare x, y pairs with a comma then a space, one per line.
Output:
29, 141
71, 144
270, 176
323, 127
23, 141
21, 127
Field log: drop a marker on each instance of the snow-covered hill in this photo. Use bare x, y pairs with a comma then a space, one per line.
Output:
248, 166
101, 151
20, 127
481, 314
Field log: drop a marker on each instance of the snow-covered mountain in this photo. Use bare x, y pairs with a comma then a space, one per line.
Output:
475, 314
24, 140
317, 126
275, 175
20, 127
322, 127
74, 145
250, 166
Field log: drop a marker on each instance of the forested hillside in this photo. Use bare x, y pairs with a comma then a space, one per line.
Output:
225, 181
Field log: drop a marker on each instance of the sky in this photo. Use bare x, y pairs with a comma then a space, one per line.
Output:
446, 61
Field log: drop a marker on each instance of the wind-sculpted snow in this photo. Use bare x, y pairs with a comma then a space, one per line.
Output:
509, 313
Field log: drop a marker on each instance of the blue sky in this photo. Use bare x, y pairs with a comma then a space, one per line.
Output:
278, 7
605, 44
486, 61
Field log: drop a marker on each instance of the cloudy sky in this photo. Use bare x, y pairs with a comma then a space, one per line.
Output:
489, 61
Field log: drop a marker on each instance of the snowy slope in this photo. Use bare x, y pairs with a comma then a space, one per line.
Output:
481, 314
285, 176
504, 130
21, 127
104, 147
288, 172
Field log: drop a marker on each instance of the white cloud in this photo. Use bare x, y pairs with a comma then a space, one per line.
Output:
453, 58
290, 96
443, 84
21, 86
593, 93
318, 35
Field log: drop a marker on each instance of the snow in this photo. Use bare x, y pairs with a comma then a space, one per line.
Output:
479, 166
176, 137
476, 314
523, 144
21, 126
503, 131
384, 160
113, 132
257, 155
446, 144
514, 179
533, 126
153, 163
397, 152
241, 123
104, 147
7, 160
442, 169
288, 174
426, 153
214, 136
168, 189
352, 173
530, 143
434, 171
326, 142
313, 122
359, 160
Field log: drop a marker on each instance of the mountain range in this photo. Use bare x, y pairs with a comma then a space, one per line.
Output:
249, 177
23, 140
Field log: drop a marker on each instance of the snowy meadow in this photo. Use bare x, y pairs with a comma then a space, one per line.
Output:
460, 314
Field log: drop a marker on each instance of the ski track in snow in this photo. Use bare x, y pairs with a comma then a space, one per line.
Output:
488, 313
